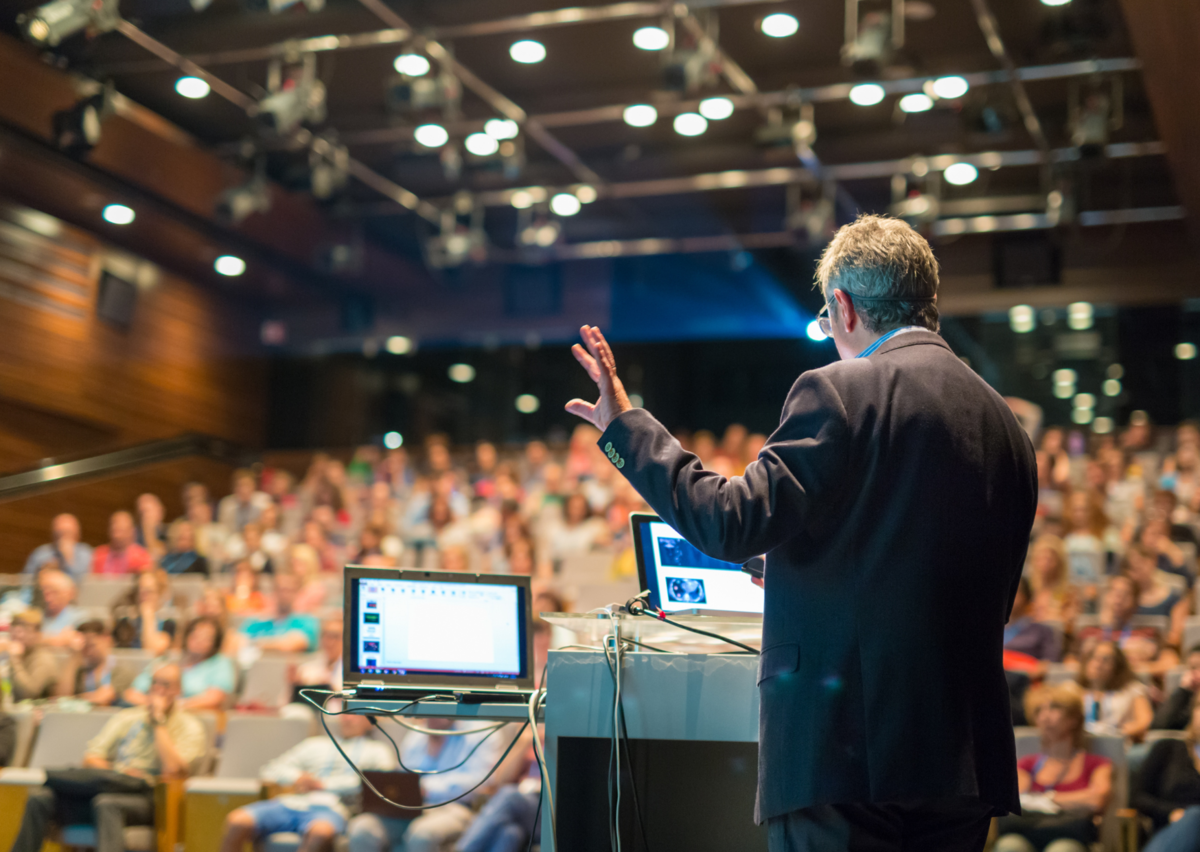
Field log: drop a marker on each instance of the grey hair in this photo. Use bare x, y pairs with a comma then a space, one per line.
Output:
878, 261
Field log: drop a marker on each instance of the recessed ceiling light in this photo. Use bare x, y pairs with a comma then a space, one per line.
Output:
1055, 2
716, 108
950, 87
192, 87
916, 102
565, 204
481, 145
527, 51
640, 115
521, 199
866, 94
229, 265
411, 65
501, 128
1021, 319
393, 440
398, 344
690, 124
960, 174
431, 135
585, 193
118, 214
527, 403
461, 373
1185, 351
779, 25
651, 38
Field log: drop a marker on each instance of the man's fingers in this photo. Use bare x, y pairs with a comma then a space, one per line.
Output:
588, 362
583, 409
606, 367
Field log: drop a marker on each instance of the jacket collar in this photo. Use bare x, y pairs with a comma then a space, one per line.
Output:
912, 338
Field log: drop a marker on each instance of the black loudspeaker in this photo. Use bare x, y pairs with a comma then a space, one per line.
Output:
116, 300
1026, 259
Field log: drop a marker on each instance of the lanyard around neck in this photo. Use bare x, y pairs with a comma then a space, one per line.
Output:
870, 349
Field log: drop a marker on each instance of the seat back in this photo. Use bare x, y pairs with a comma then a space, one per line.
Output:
1191, 632
1114, 749
252, 740
62, 737
26, 726
101, 592
266, 682
1172, 678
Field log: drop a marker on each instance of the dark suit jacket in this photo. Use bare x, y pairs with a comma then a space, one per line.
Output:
894, 503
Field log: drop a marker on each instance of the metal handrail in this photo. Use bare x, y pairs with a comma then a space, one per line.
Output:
54, 473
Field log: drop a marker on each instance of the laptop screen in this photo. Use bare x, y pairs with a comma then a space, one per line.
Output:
680, 577
439, 625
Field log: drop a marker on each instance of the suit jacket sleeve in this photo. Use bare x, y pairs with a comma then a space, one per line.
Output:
800, 470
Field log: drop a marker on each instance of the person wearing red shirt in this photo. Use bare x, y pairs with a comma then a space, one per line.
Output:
122, 555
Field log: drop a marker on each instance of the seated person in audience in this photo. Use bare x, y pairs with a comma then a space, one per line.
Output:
324, 669
320, 784
454, 557
1167, 789
1114, 700
287, 631
248, 545
159, 739
181, 556
1025, 636
1142, 645
141, 619
34, 667
1063, 771
208, 676
245, 597
1155, 537
122, 554
1155, 597
59, 613
304, 564
244, 505
210, 536
89, 671
580, 531
274, 541
1176, 712
433, 830
151, 529
1054, 596
65, 548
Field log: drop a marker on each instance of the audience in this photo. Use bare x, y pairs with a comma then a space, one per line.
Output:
181, 556
122, 554
1176, 712
245, 596
321, 788
1167, 790
144, 618
1114, 701
1054, 596
65, 549
1023, 635
285, 630
244, 505
1142, 644
89, 671
208, 678
32, 666
59, 613
323, 669
132, 749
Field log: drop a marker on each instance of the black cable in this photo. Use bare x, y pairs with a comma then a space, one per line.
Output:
637, 809
324, 712
647, 647
637, 607
536, 816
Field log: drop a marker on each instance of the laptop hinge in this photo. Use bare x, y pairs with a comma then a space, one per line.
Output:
371, 683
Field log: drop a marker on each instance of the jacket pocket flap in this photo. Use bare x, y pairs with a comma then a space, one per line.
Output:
777, 660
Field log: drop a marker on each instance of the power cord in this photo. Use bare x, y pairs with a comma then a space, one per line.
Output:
638, 606
637, 808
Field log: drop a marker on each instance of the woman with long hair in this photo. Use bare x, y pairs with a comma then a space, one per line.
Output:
208, 676
1114, 700
1167, 789
1055, 598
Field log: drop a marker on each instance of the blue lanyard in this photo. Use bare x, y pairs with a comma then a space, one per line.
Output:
886, 337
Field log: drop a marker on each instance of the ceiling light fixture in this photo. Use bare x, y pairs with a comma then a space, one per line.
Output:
651, 38
716, 109
192, 87
527, 403
229, 265
960, 174
640, 115
521, 199
690, 124
1185, 351
916, 102
461, 373
866, 94
586, 194
565, 204
481, 145
411, 65
398, 344
1020, 319
501, 128
393, 440
118, 214
527, 51
431, 135
950, 87
779, 25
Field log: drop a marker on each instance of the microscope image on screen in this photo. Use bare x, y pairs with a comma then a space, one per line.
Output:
677, 553
685, 590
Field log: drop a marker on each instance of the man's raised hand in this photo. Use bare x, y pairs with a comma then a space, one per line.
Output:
598, 360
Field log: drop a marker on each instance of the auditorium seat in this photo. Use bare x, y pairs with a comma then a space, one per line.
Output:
62, 737
1172, 678
1191, 632
266, 681
101, 591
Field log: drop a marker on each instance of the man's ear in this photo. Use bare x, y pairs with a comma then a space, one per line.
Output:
847, 316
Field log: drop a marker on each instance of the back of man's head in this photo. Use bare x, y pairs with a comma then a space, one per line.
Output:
888, 270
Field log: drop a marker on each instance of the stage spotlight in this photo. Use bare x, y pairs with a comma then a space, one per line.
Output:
690, 124
651, 38
960, 174
299, 98
1111, 387
527, 51
461, 373
916, 102
77, 130
814, 331
411, 65
481, 145
431, 135
118, 214
229, 265
1084, 400
950, 88
192, 87
779, 25
716, 109
640, 115
329, 171
586, 194
1080, 316
393, 440
1020, 319
521, 199
866, 94
239, 202
1185, 351
277, 6
501, 128
1055, 2
527, 403
1082, 416
565, 204
398, 344
48, 25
